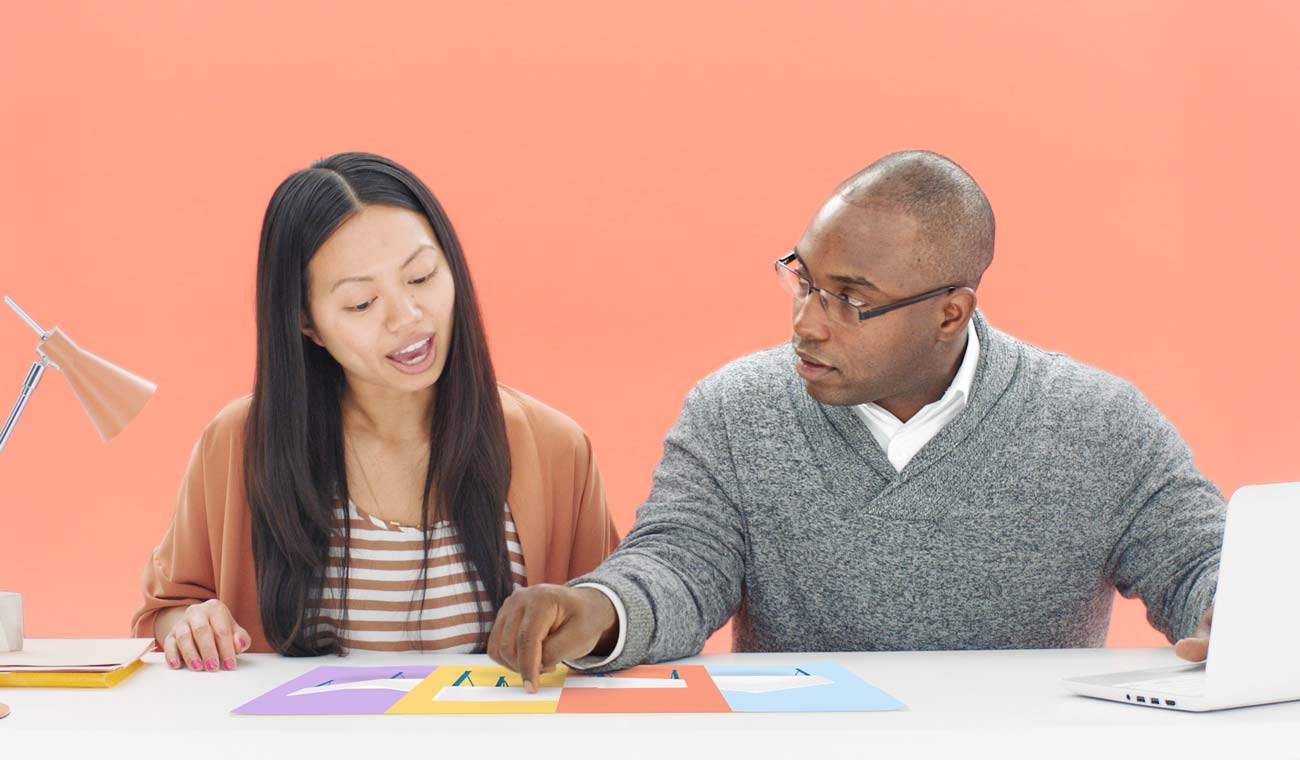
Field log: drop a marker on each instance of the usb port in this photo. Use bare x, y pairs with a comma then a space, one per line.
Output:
1155, 701
1143, 700
1171, 703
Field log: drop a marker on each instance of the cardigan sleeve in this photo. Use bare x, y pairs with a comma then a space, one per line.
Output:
594, 534
181, 572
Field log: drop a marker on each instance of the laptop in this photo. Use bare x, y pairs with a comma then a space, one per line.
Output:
1253, 658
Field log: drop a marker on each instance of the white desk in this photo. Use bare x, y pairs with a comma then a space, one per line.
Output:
960, 704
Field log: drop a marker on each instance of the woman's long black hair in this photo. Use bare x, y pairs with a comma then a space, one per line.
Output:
294, 471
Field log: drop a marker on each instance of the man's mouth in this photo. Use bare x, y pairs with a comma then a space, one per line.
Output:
811, 368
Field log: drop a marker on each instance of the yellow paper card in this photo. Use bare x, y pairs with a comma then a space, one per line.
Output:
494, 690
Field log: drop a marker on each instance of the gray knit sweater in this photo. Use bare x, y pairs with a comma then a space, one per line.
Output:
1011, 528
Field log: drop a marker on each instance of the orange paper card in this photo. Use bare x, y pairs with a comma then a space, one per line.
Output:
643, 689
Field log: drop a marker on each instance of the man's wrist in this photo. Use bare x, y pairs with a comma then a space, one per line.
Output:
606, 616
604, 653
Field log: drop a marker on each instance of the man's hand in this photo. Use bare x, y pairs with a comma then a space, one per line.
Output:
1196, 647
540, 626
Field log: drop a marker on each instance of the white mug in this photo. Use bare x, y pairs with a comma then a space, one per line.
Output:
11, 621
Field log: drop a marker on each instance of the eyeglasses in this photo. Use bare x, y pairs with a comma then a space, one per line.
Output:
841, 309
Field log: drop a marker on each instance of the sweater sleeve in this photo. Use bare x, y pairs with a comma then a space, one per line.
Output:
1170, 525
180, 572
680, 570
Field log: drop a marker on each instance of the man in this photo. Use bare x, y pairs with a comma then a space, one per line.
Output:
901, 475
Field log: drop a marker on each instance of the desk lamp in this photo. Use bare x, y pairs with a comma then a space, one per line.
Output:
110, 395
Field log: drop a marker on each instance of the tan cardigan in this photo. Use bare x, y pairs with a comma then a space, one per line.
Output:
555, 496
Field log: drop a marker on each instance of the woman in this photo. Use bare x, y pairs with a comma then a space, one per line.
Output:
378, 489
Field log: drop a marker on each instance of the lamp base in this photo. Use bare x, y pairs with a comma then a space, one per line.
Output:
11, 621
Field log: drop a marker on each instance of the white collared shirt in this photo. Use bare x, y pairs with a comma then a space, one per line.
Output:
901, 440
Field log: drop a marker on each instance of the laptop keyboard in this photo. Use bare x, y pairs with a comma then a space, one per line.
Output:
1189, 684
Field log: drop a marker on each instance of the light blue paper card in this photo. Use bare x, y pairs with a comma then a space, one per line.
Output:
819, 687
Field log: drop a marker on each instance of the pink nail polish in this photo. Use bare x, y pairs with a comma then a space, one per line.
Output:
242, 645
196, 665
212, 663
173, 664
229, 664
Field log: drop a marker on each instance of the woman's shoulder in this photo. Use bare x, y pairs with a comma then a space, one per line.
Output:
547, 425
226, 430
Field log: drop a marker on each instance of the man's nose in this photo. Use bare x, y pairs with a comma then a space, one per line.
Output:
810, 318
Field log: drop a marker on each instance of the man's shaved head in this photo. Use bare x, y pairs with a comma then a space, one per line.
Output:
912, 223
954, 217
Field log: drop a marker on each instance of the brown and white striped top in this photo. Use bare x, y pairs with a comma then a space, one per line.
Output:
385, 591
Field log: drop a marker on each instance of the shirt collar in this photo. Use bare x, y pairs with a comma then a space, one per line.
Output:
958, 391
965, 377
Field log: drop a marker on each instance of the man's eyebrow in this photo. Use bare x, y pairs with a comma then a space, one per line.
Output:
367, 278
843, 279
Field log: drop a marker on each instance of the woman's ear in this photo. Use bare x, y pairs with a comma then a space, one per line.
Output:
306, 327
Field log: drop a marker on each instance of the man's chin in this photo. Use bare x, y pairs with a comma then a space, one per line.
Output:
830, 395
821, 393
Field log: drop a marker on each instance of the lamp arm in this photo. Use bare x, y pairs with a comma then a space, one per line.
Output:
29, 385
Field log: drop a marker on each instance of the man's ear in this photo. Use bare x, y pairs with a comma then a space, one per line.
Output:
307, 329
958, 310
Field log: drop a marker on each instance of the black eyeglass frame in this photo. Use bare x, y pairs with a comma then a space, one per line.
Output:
784, 263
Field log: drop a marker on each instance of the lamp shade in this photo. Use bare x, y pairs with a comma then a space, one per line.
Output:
111, 396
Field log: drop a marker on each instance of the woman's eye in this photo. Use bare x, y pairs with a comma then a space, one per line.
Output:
361, 306
424, 279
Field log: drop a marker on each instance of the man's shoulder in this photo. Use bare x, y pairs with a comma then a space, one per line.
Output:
1067, 385
762, 375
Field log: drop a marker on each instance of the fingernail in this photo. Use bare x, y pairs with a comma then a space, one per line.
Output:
528, 687
174, 664
196, 665
242, 645
229, 663
212, 663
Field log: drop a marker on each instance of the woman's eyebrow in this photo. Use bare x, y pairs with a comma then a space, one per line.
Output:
368, 278
417, 252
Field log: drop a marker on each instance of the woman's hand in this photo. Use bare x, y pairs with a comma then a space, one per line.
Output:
204, 636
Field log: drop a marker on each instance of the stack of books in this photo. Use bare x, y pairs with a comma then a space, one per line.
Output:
72, 663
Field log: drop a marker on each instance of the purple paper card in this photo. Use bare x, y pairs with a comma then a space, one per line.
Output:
339, 690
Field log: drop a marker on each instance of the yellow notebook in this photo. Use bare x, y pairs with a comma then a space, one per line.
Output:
65, 679
72, 663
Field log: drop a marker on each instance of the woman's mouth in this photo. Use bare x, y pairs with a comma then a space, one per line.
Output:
415, 358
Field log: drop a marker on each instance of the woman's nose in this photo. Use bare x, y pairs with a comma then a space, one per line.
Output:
407, 311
